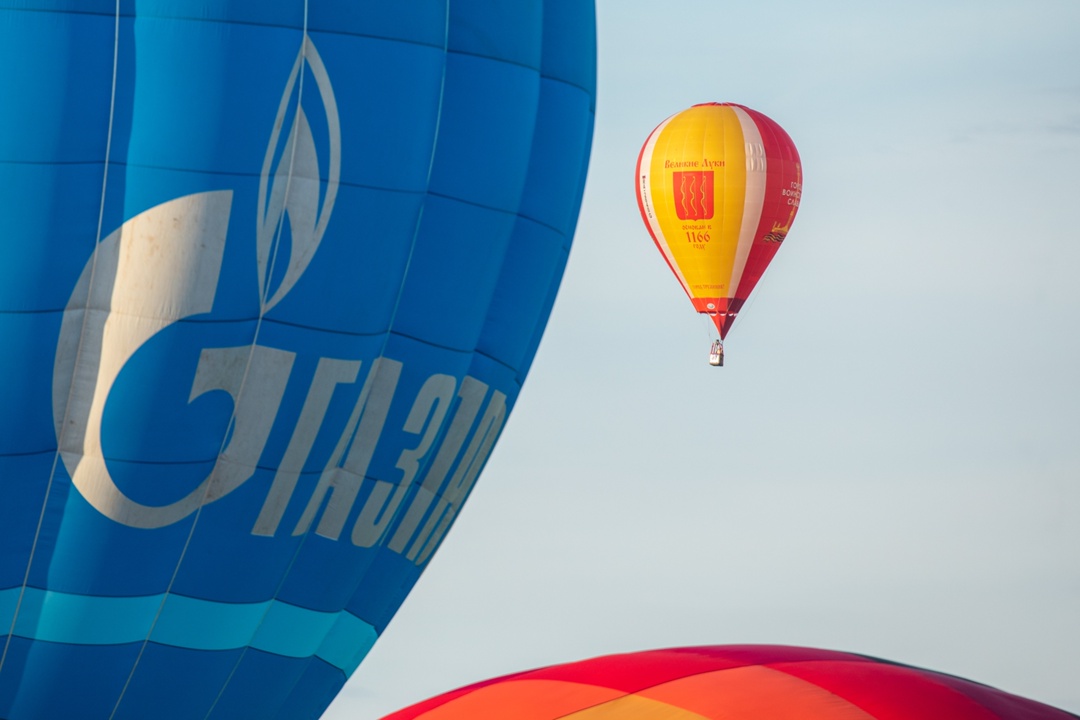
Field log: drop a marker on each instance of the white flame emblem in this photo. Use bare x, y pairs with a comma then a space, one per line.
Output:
294, 185
163, 265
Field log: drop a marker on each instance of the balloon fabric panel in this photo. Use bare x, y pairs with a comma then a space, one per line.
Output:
531, 699
783, 193
893, 692
274, 277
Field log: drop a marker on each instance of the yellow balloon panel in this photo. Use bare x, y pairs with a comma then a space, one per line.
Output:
697, 181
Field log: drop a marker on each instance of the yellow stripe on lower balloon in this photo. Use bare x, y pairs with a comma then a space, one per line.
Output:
634, 707
523, 699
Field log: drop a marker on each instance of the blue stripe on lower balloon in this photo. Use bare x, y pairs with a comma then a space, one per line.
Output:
340, 639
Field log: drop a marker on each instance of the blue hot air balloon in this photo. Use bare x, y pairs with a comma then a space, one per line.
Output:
272, 273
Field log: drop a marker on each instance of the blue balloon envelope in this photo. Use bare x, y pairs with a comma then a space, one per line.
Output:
272, 275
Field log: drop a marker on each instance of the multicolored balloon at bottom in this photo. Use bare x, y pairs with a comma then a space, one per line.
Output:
733, 682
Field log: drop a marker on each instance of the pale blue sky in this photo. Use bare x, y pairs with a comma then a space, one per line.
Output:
890, 462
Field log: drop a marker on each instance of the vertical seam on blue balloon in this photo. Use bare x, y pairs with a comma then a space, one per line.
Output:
376, 366
389, 330
416, 228
86, 312
270, 272
264, 295
263, 303
402, 508
427, 180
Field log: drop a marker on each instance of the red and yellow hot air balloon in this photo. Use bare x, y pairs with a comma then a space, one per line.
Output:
730, 682
718, 186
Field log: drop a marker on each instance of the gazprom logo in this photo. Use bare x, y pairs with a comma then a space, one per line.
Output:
164, 265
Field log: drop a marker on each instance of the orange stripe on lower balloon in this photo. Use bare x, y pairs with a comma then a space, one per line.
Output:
753, 693
522, 700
